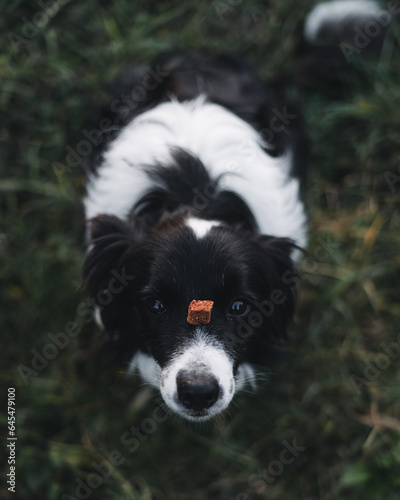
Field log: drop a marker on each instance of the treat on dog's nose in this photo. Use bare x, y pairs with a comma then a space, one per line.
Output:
199, 312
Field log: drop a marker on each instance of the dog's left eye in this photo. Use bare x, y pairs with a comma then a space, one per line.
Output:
156, 306
239, 308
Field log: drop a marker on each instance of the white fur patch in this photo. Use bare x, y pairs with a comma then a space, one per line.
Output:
222, 141
147, 367
213, 360
97, 316
336, 11
200, 351
245, 376
201, 227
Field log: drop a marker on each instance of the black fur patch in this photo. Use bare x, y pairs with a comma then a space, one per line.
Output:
224, 78
175, 267
187, 186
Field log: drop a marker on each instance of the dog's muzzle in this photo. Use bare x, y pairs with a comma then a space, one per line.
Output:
198, 383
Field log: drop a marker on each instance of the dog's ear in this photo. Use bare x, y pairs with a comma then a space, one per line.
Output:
280, 250
110, 238
113, 272
281, 281
104, 225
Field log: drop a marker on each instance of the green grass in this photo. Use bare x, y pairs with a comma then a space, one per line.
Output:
68, 418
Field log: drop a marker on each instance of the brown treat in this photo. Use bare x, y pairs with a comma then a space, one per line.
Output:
200, 312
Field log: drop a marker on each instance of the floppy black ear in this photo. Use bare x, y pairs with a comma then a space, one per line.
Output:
281, 281
281, 250
104, 225
110, 238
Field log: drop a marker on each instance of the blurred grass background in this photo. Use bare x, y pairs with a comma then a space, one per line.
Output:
68, 419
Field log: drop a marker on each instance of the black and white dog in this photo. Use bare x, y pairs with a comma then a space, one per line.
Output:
194, 195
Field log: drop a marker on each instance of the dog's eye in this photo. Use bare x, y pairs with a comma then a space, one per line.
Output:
239, 308
156, 306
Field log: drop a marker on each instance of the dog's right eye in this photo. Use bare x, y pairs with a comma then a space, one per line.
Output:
156, 306
239, 308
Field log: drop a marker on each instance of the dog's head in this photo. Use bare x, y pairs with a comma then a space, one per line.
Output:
143, 282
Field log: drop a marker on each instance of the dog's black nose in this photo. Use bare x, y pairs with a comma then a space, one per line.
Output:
197, 393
